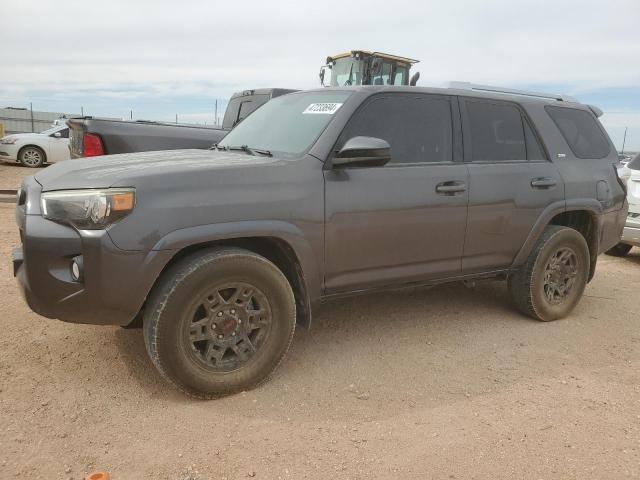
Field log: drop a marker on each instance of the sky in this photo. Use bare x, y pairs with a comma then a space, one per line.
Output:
161, 58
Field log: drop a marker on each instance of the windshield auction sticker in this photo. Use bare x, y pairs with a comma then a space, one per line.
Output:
323, 108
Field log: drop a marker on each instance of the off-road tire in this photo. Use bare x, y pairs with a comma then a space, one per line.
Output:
165, 319
32, 157
527, 284
620, 250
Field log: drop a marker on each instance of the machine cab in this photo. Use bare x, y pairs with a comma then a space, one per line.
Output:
360, 67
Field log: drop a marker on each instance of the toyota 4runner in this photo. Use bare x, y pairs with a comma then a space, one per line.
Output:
320, 194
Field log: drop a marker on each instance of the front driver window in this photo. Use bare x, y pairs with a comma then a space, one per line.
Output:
418, 128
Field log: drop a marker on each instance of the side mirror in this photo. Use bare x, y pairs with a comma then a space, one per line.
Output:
57, 135
323, 71
414, 79
363, 152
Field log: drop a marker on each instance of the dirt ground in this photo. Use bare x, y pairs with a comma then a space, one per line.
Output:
447, 383
11, 174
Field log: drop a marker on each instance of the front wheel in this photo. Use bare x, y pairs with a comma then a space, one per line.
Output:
219, 322
32, 157
551, 282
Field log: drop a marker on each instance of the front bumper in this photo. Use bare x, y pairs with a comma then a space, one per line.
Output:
9, 152
114, 284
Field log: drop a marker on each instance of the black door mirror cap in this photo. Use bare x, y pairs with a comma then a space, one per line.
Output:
363, 152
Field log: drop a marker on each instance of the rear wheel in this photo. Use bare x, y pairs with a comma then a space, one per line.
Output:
620, 250
32, 157
219, 322
551, 282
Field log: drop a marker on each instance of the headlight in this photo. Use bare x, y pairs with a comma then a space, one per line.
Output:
8, 140
88, 209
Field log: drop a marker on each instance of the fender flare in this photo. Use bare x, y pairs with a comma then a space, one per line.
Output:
286, 232
590, 205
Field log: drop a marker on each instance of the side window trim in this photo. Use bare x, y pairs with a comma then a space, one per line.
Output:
536, 137
466, 130
456, 127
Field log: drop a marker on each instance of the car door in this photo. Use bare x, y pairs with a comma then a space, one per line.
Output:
58, 146
405, 221
511, 182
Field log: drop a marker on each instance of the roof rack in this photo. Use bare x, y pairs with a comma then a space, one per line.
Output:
509, 91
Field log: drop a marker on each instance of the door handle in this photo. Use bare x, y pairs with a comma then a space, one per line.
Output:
451, 188
543, 182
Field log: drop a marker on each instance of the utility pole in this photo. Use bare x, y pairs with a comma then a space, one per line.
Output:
81, 111
32, 126
216, 113
176, 118
624, 140
131, 114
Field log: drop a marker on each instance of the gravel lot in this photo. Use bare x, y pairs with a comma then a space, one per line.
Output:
443, 383
11, 174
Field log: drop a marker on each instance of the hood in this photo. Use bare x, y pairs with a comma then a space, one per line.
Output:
130, 169
22, 135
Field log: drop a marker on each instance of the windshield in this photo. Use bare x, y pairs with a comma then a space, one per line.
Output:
241, 107
287, 125
53, 129
342, 73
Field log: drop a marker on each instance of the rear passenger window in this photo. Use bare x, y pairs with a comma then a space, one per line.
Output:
581, 131
417, 128
499, 133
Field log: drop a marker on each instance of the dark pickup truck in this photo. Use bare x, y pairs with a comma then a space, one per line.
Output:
90, 137
321, 194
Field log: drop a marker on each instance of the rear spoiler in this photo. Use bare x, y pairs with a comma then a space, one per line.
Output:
596, 111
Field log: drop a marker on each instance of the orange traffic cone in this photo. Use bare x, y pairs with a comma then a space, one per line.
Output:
98, 476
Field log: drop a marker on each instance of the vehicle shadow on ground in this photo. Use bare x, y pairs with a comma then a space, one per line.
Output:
350, 332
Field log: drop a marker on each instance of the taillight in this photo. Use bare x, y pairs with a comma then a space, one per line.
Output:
92, 145
621, 181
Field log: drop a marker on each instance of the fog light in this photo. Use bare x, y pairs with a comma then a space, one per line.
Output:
76, 269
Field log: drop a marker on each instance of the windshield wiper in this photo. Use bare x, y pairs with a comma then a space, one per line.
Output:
249, 150
261, 151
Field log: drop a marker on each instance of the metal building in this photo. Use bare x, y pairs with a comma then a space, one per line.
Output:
24, 120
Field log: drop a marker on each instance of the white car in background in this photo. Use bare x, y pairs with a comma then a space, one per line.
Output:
630, 174
36, 149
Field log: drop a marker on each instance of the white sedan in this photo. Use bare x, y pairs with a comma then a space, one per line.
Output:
36, 149
630, 174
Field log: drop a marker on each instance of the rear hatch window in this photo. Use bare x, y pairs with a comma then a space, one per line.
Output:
241, 107
581, 131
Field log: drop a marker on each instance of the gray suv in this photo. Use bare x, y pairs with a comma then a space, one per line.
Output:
321, 194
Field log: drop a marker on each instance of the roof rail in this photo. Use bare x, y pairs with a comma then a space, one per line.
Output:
509, 91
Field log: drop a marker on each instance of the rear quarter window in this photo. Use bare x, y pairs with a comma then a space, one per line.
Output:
581, 131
